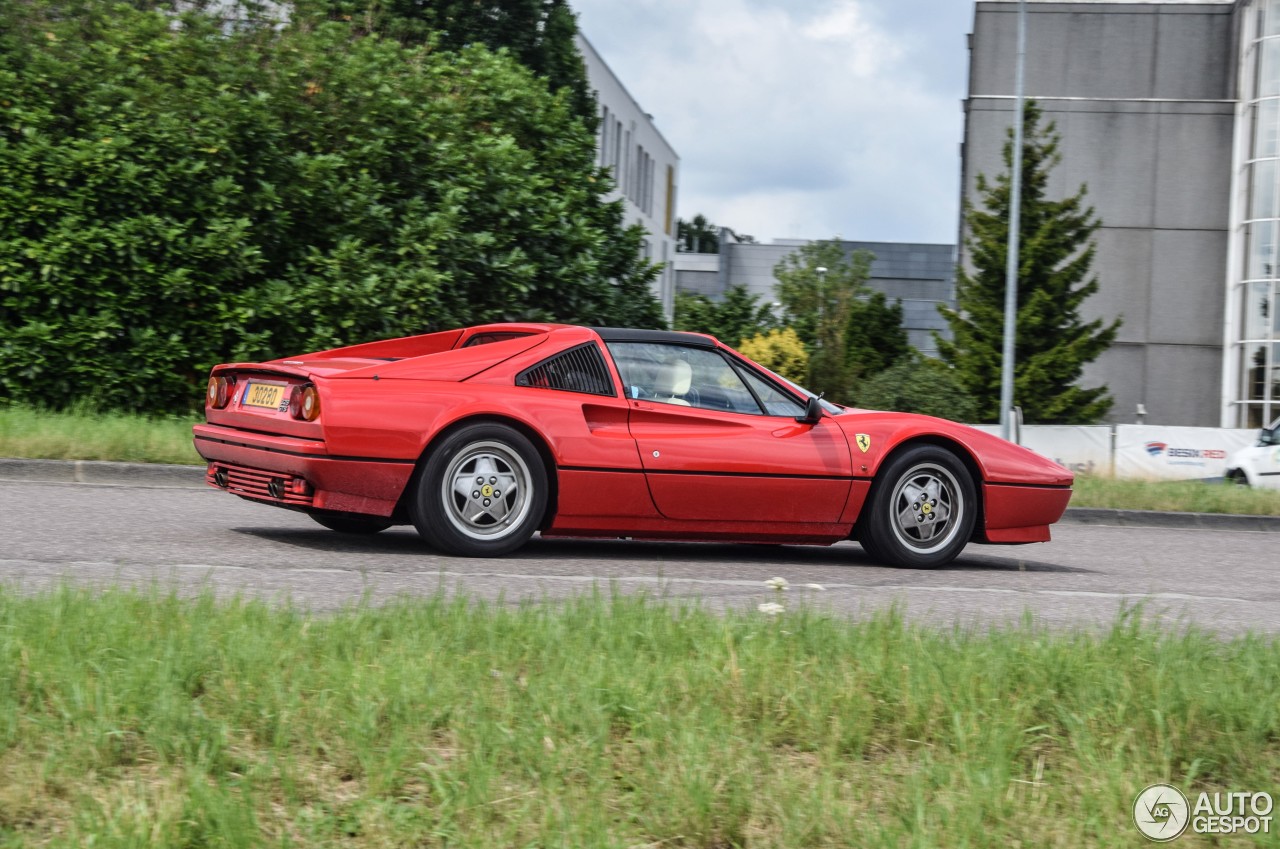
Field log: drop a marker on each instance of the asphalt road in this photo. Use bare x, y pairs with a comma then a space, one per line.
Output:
1223, 580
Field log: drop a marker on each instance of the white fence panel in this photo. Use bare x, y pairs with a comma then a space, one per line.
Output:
1083, 450
1176, 453
1152, 452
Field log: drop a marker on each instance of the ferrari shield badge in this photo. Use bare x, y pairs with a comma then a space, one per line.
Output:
864, 442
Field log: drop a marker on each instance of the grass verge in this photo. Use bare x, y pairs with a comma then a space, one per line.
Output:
131, 720
1177, 496
85, 434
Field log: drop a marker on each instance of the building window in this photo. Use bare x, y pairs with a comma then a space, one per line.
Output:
617, 149
1256, 334
604, 137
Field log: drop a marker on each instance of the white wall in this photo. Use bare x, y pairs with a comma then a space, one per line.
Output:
1149, 452
646, 168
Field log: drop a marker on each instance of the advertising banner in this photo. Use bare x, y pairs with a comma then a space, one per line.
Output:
1151, 452
1176, 453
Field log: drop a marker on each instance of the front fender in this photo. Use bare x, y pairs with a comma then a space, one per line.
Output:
874, 436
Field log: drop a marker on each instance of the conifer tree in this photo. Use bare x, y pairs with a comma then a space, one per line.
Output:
1054, 278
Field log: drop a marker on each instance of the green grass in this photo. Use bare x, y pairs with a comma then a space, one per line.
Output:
1178, 496
136, 720
86, 434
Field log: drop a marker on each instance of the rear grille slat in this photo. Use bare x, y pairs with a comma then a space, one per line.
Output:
256, 483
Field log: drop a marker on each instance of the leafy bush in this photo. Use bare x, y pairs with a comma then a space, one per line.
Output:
780, 351
737, 316
174, 193
918, 384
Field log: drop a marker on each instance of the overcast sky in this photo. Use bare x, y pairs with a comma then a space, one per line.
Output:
801, 118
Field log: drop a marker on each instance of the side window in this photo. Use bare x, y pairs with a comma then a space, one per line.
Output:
685, 377
579, 369
775, 402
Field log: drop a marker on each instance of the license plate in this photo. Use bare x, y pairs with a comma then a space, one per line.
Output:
266, 395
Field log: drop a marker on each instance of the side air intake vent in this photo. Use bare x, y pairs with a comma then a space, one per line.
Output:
579, 369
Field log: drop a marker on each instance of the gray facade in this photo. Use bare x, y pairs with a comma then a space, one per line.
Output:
921, 276
645, 168
1143, 94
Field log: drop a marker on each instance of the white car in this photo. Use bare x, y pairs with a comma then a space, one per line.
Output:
1259, 464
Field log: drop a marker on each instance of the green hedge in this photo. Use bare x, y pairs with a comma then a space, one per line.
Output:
176, 192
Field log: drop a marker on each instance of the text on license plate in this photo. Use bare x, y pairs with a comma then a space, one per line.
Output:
263, 395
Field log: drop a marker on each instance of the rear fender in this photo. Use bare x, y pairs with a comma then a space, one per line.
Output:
535, 438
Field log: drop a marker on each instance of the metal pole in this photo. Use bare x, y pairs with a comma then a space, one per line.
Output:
1015, 222
822, 303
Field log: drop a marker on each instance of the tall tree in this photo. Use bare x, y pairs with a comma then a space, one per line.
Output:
176, 194
874, 338
850, 330
1053, 342
538, 33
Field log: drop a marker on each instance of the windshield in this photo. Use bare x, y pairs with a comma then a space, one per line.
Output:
827, 406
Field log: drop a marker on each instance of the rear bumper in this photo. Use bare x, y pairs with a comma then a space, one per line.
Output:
299, 473
1016, 514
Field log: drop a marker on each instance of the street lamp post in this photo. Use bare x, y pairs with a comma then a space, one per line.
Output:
822, 302
1015, 223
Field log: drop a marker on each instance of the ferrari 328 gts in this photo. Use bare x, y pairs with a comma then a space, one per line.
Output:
482, 436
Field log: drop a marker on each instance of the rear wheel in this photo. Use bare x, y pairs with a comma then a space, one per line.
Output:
482, 492
351, 524
921, 509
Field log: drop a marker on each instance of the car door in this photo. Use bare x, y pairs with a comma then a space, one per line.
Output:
720, 442
1266, 457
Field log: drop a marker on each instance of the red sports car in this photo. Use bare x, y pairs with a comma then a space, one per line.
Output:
480, 437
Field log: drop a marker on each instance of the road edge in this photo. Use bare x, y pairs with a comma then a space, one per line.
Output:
101, 472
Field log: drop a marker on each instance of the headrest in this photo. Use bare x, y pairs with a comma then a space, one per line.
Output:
672, 378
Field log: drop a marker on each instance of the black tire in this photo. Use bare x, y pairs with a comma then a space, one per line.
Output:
351, 524
1237, 477
503, 499
901, 528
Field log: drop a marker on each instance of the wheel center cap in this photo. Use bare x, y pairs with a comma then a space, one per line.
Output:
486, 491
926, 509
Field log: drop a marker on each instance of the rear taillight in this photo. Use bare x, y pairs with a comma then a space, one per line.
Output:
220, 391
304, 403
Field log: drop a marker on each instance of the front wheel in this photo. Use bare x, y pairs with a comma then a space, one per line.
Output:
921, 509
482, 492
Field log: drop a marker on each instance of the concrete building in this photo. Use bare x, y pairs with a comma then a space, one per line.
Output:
1169, 112
920, 276
645, 167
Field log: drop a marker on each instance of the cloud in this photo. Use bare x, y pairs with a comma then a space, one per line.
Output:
799, 120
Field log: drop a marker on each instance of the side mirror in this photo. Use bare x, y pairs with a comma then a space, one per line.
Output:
812, 411
1267, 436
